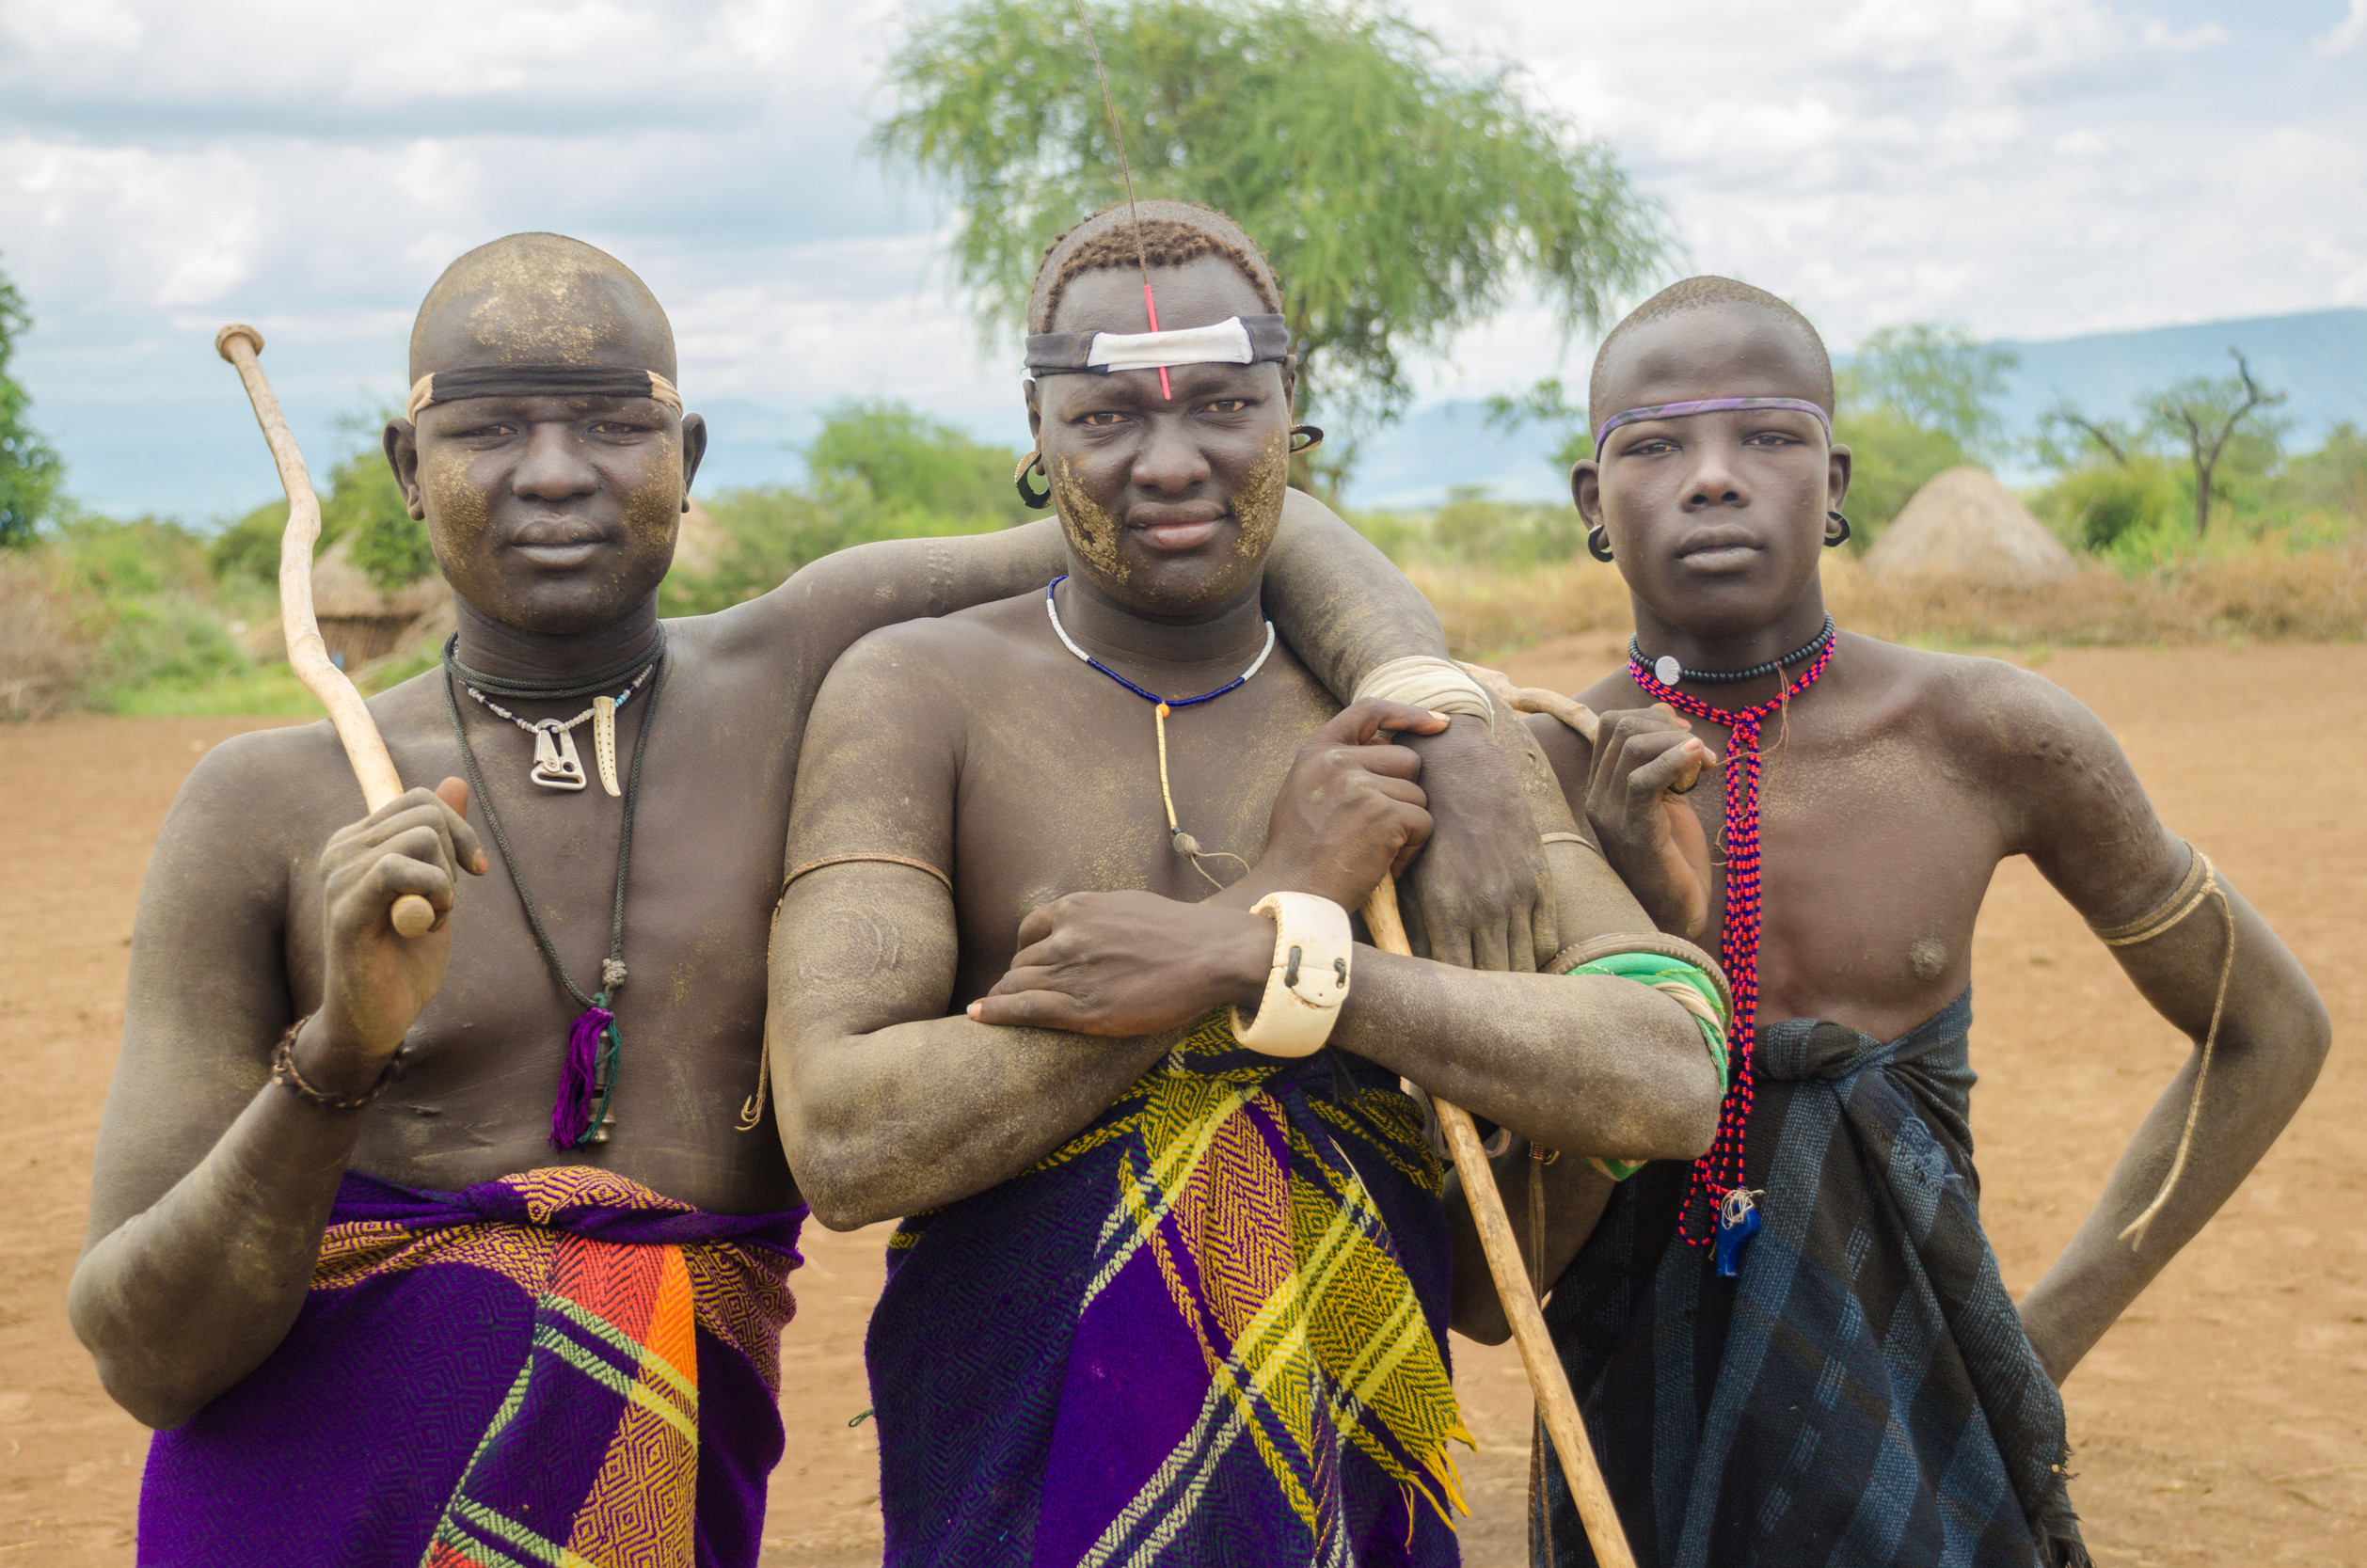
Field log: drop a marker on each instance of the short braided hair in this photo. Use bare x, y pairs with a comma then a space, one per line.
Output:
1694, 293
1173, 234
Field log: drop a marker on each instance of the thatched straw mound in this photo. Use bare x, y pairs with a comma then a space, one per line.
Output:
1966, 527
361, 621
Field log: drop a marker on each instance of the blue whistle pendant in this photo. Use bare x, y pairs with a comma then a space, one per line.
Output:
1738, 1222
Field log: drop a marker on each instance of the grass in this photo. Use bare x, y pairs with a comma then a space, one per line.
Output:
2257, 595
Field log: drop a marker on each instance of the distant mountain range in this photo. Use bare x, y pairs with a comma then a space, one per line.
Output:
2318, 358
154, 443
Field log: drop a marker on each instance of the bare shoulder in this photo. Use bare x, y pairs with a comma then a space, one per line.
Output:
274, 781
1985, 710
827, 605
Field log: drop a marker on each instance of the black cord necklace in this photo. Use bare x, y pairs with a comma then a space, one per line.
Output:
588, 1080
1669, 671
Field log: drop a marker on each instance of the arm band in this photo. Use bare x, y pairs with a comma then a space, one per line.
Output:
1690, 986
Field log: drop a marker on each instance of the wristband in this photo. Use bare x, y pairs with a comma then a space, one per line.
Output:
1309, 980
1440, 684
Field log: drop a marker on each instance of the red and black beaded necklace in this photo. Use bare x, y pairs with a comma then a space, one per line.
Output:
1720, 1174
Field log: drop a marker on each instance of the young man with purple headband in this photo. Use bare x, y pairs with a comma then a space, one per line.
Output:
1798, 1348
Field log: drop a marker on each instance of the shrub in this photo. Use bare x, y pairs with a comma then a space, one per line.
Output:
2098, 506
1890, 460
44, 634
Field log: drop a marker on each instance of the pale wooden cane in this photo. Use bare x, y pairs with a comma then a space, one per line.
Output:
307, 654
1546, 1380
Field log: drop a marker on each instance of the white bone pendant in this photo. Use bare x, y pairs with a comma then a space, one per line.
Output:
556, 764
604, 742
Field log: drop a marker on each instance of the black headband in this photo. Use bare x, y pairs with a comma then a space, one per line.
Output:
1071, 352
522, 381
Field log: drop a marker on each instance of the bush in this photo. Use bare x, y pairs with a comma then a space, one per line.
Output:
365, 504
248, 549
1471, 528
44, 634
147, 603
2096, 507
912, 464
878, 469
1890, 460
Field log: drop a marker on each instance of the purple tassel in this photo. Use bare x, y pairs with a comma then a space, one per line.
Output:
571, 1115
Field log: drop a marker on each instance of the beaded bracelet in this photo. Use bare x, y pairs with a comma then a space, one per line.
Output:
283, 1071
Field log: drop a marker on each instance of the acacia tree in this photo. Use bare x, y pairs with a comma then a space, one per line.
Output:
2204, 412
1400, 197
28, 467
1933, 376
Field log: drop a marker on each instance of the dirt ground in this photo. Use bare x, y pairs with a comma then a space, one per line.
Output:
2225, 1419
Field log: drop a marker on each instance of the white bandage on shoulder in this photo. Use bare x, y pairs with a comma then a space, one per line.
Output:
1440, 684
1309, 977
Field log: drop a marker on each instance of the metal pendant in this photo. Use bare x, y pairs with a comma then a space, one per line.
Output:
604, 742
556, 764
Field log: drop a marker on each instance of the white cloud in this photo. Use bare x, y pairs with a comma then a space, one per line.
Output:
2346, 33
2206, 34
2028, 167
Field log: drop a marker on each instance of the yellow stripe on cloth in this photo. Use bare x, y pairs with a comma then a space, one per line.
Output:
1287, 1275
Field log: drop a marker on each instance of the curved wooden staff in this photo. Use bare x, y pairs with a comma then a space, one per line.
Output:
1548, 1381
364, 748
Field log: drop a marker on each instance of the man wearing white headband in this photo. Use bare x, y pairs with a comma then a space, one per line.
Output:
1065, 974
1798, 1348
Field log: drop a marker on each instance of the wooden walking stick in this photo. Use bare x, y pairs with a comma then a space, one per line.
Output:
1547, 1379
364, 748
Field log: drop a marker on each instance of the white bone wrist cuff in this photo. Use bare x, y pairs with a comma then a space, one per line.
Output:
1309, 980
1440, 684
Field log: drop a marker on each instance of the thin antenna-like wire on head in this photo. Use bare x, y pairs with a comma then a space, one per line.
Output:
1142, 263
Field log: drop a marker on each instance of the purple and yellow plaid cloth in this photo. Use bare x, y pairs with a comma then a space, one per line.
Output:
1207, 1331
556, 1370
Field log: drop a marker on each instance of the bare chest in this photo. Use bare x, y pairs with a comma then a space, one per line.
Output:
1070, 798
1875, 854
708, 819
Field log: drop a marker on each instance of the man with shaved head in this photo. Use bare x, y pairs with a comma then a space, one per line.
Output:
460, 1248
1799, 1350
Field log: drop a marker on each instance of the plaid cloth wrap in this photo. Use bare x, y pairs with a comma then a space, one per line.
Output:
1864, 1394
557, 1368
1209, 1330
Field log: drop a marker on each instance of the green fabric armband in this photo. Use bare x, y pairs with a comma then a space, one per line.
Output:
1708, 1014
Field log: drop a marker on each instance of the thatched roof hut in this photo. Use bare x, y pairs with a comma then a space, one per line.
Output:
362, 621
1966, 525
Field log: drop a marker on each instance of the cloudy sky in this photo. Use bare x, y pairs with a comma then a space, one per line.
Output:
2030, 167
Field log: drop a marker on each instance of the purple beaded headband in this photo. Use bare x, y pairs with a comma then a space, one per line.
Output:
1711, 405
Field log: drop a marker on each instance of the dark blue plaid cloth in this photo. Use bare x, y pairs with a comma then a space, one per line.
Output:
1864, 1394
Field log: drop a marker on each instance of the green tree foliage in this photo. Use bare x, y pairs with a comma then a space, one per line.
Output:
2205, 413
2121, 479
911, 462
877, 470
360, 502
365, 507
1891, 457
1932, 376
1399, 194
29, 468
1549, 405
1913, 402
248, 549
2098, 505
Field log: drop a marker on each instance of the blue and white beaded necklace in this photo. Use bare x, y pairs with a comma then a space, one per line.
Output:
1160, 707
